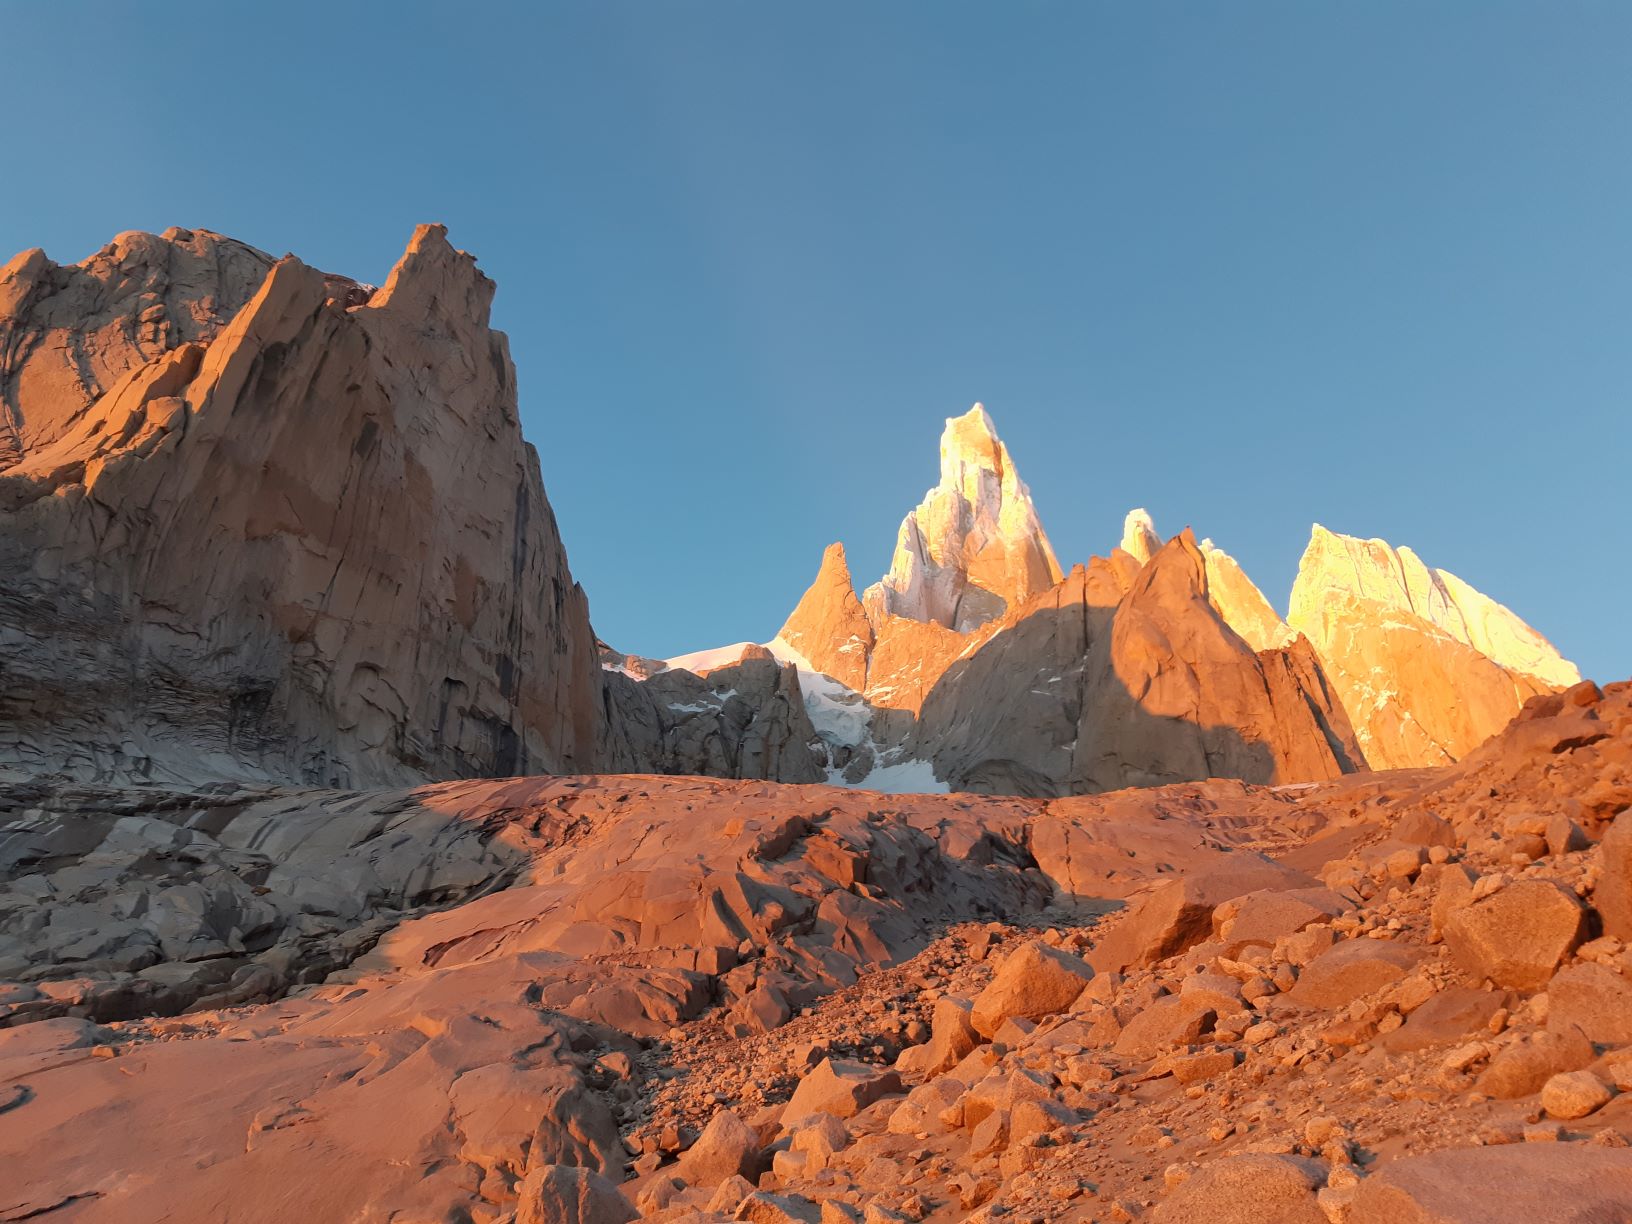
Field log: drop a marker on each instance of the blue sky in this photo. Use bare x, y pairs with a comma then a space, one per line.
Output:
1251, 265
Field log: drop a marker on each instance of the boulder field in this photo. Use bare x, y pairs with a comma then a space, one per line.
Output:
1382, 997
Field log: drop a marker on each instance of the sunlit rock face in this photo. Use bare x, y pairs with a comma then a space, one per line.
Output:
1126, 675
829, 627
259, 521
1139, 538
974, 546
1239, 601
1427, 667
1232, 594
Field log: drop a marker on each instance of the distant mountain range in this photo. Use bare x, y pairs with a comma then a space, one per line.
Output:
263, 522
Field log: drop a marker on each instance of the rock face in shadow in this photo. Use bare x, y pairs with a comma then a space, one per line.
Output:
1131, 679
260, 522
1427, 667
745, 719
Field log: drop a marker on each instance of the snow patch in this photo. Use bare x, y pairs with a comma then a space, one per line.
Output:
908, 777
702, 661
843, 719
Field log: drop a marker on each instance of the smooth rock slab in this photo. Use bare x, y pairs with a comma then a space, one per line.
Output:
1593, 1001
1512, 1184
1352, 969
1250, 1189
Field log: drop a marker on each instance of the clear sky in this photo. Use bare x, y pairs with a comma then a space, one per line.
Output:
1250, 265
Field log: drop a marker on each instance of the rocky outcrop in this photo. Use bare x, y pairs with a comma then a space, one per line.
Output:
1237, 599
1139, 538
828, 628
1233, 595
974, 546
261, 522
908, 659
68, 334
746, 718
1427, 667
1118, 678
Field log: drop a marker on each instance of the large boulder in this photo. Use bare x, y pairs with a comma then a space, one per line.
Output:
1035, 980
1523, 1068
1593, 1001
728, 1147
1179, 913
1518, 935
1512, 1184
568, 1194
1260, 918
840, 1088
1168, 1022
1351, 969
1250, 1189
1613, 896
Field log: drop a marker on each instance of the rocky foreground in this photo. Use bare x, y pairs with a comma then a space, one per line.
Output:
1388, 997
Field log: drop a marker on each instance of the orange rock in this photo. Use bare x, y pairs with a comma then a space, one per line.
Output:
1519, 935
828, 627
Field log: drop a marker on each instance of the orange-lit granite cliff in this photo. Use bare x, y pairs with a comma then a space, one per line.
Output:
259, 521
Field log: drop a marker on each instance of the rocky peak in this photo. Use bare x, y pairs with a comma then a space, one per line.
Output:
433, 277
68, 333
1377, 572
1233, 595
321, 549
1139, 538
1428, 667
828, 628
974, 546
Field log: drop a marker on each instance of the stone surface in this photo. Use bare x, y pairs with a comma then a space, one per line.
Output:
262, 523
565, 1194
1095, 685
1518, 936
1519, 1070
1427, 667
746, 718
840, 1088
1353, 968
1179, 913
1168, 1022
1613, 897
1500, 1185
727, 1148
1574, 1094
1593, 1001
974, 546
1250, 1189
1034, 981
537, 973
